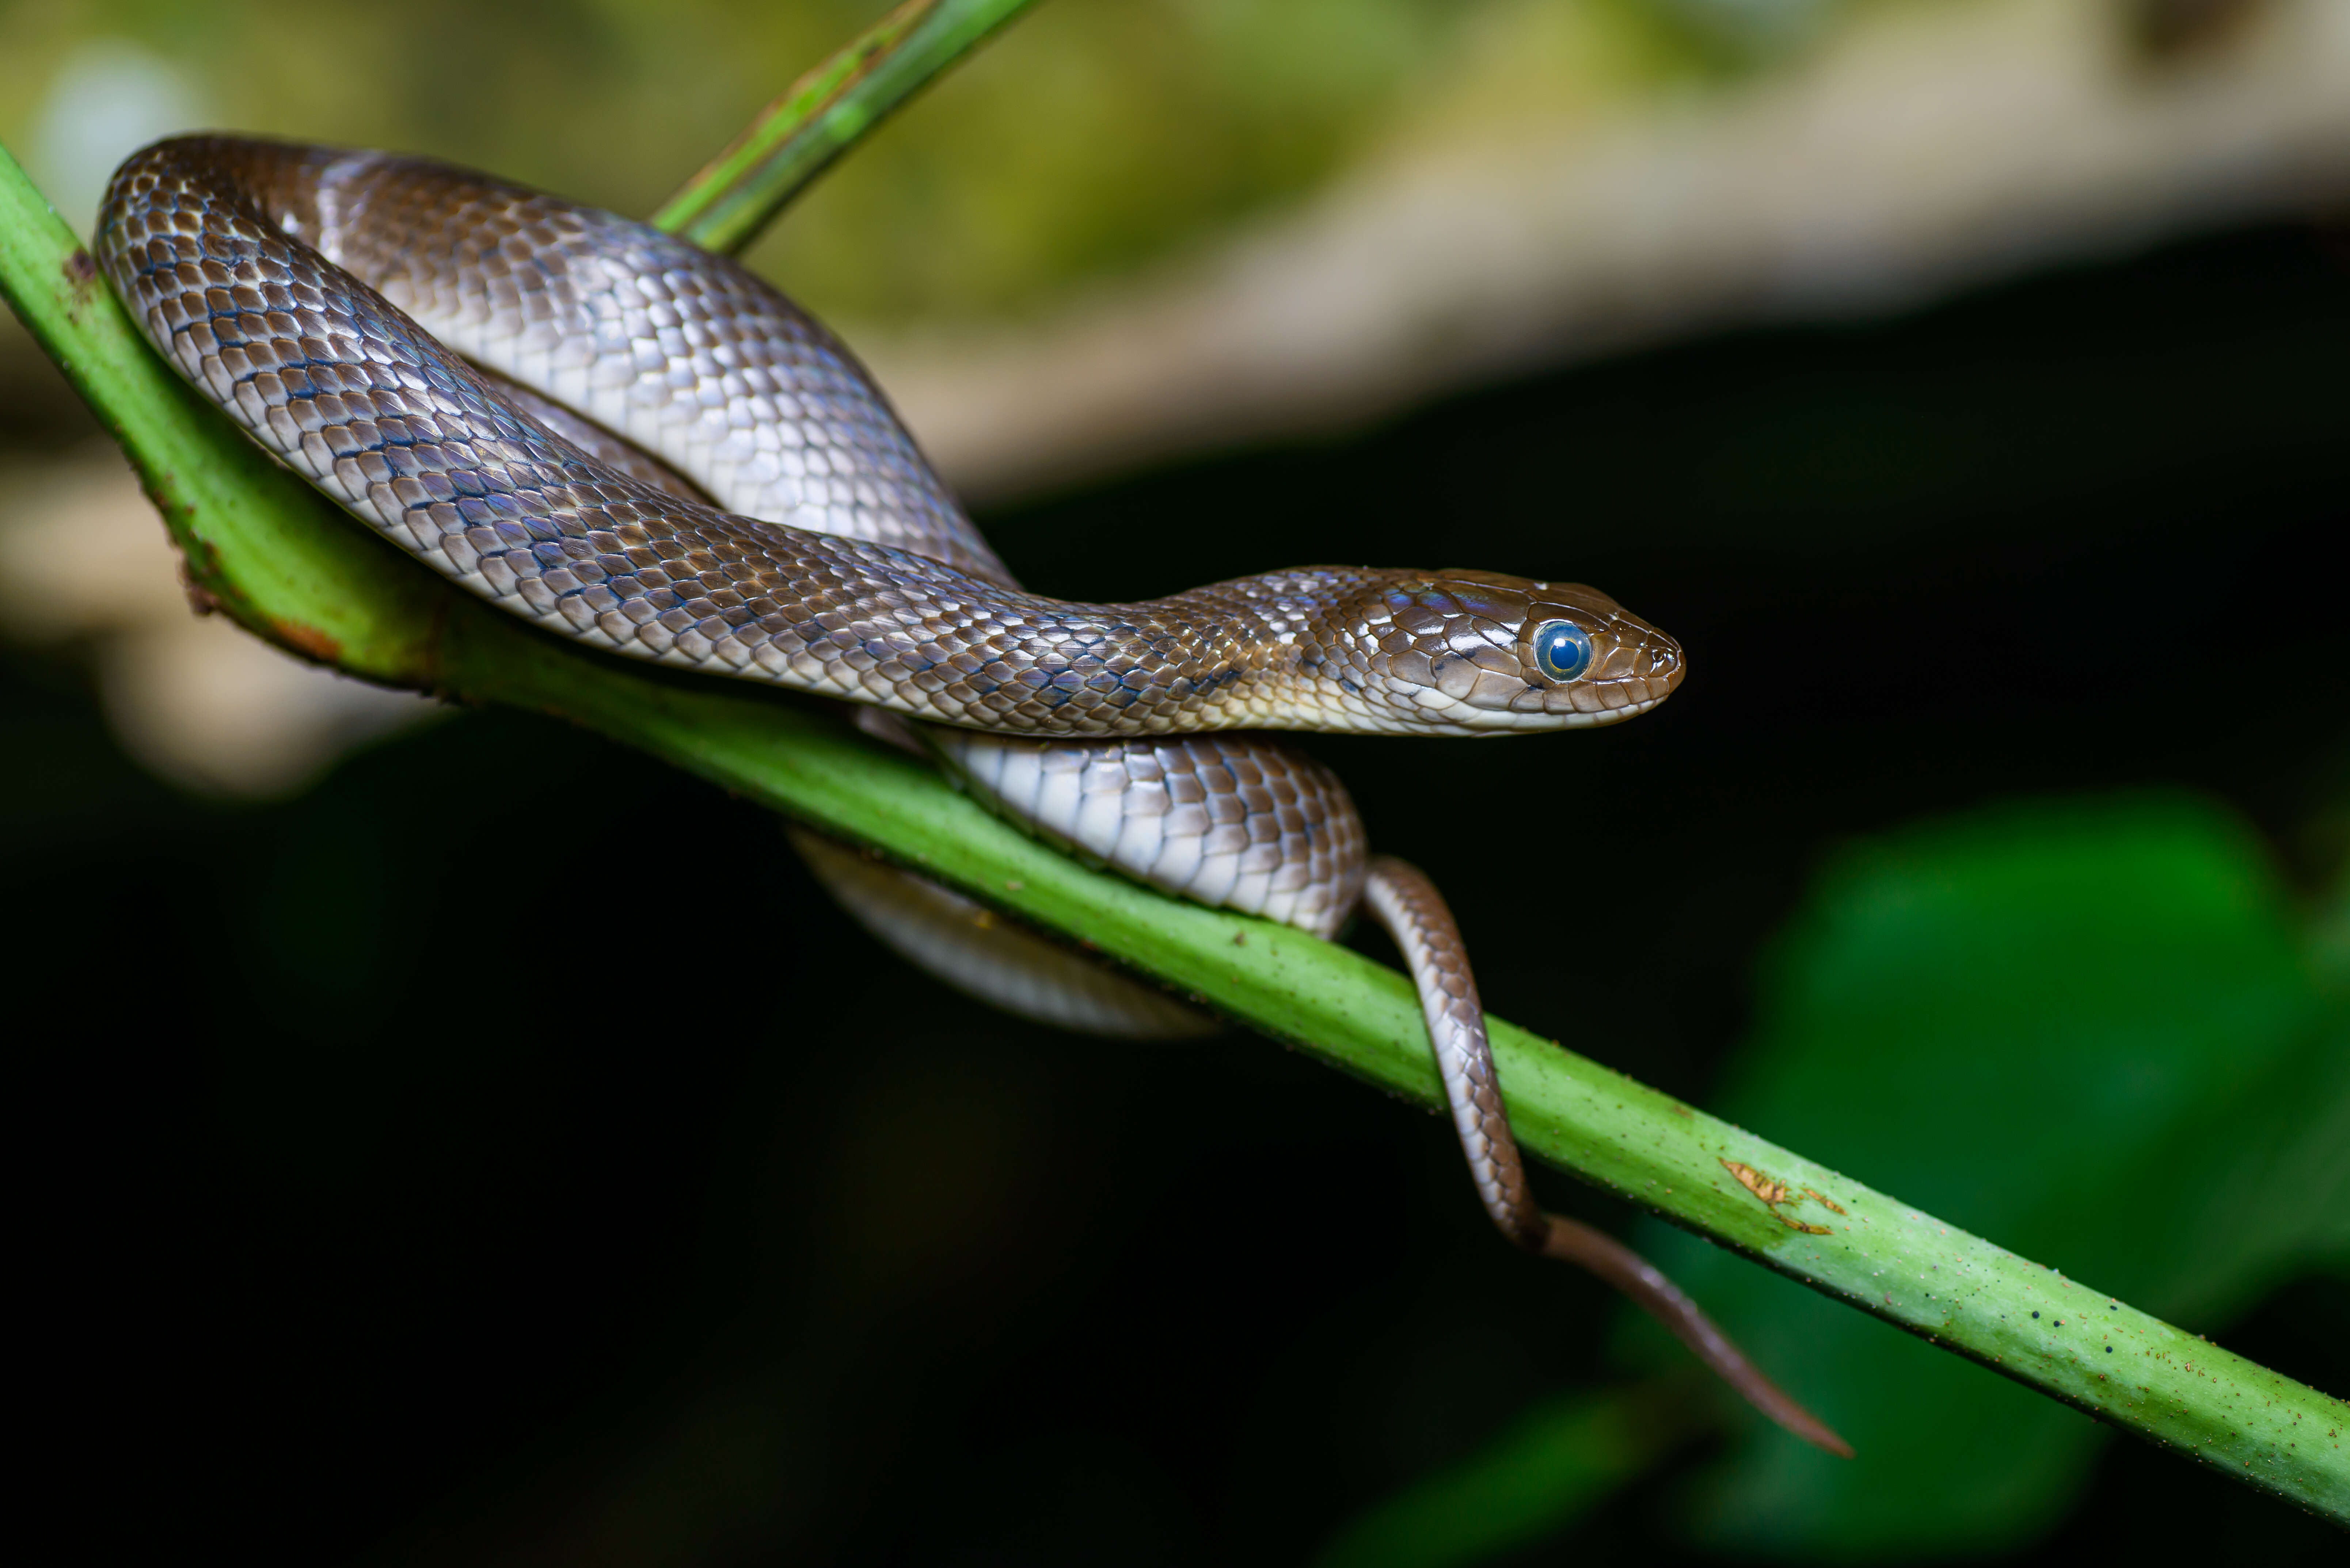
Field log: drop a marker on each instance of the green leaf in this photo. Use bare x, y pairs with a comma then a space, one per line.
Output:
1558, 1460
2092, 1030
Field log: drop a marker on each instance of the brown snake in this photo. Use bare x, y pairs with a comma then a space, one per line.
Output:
644, 447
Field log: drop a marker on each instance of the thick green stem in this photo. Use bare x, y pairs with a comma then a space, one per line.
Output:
287, 564
826, 112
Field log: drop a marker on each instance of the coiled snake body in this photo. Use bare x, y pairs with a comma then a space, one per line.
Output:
644, 447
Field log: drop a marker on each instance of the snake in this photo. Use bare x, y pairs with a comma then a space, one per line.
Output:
644, 447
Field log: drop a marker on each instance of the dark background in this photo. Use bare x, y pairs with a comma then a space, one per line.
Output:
388, 1200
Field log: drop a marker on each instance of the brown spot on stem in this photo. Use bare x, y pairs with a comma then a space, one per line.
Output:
200, 599
80, 270
1754, 1181
1818, 1196
307, 641
1773, 1192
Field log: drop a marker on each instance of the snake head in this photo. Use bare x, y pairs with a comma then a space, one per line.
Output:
1477, 651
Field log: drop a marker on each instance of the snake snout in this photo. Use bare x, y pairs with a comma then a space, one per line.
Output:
1618, 665
1638, 669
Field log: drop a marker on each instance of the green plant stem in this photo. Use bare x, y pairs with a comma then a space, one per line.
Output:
287, 564
826, 112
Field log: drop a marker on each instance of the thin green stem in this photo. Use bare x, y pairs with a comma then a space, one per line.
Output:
295, 570
826, 112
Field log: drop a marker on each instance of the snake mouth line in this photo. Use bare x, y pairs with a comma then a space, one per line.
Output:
1612, 716
1495, 724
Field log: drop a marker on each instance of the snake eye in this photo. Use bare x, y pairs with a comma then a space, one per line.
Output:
1562, 650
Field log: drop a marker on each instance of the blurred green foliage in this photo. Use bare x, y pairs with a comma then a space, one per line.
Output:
1092, 137
2096, 1032
1556, 1462
2092, 1032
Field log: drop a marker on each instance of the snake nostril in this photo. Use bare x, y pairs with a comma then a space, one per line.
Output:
1660, 659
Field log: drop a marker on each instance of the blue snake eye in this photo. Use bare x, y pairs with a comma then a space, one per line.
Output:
1562, 650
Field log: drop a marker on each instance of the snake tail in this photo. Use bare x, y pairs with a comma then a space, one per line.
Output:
1415, 917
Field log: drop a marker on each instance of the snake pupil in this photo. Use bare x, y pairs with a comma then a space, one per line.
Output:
1562, 650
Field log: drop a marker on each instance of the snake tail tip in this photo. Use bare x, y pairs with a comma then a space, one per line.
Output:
1821, 1436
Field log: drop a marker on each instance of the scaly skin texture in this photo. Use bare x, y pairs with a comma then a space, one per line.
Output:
1233, 821
211, 244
